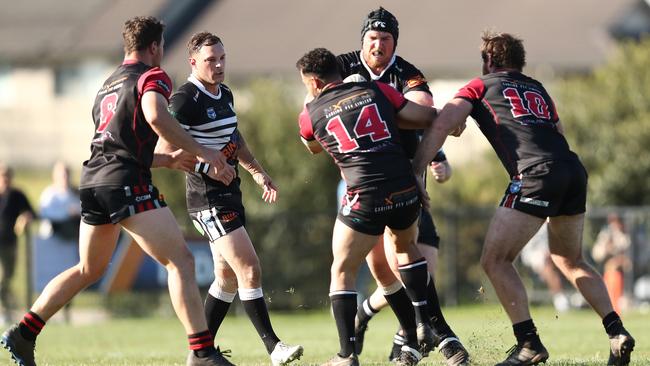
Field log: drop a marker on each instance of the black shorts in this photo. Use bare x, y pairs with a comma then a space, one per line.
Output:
394, 204
547, 189
104, 205
427, 233
221, 218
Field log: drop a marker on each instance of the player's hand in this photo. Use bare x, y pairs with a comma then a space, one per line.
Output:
440, 170
422, 191
182, 160
270, 193
458, 130
215, 158
224, 175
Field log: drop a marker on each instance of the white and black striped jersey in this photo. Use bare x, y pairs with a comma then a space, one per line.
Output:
211, 120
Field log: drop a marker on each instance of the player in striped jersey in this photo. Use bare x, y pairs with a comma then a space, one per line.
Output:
205, 108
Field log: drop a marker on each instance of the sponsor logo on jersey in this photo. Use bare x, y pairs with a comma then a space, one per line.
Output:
106, 135
163, 85
418, 80
143, 197
211, 113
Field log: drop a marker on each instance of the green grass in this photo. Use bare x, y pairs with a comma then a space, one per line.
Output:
575, 338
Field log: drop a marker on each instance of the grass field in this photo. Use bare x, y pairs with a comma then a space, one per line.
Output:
575, 338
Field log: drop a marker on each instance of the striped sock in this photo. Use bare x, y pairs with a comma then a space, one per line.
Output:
201, 343
31, 326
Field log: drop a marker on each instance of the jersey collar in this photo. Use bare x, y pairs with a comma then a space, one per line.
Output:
192, 79
373, 76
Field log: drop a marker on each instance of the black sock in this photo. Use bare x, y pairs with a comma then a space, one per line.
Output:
613, 324
438, 321
405, 314
259, 315
31, 326
344, 307
525, 331
366, 312
215, 312
414, 277
202, 343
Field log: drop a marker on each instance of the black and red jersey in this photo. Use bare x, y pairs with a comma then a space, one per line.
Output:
123, 143
355, 123
518, 117
400, 74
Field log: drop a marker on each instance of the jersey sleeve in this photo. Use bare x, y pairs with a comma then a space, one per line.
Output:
343, 63
396, 98
155, 79
413, 78
306, 129
180, 106
472, 91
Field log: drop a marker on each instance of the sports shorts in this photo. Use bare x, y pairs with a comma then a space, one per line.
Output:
104, 205
548, 189
225, 214
427, 233
394, 204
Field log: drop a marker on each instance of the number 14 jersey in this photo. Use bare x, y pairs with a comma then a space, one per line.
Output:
355, 123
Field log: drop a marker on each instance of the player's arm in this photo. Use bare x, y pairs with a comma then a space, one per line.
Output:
415, 117
166, 155
452, 116
440, 167
307, 133
248, 162
420, 97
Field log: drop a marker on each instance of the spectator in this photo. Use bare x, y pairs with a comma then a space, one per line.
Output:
15, 215
611, 251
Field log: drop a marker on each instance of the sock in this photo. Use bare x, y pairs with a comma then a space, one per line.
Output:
525, 331
202, 343
438, 321
403, 310
255, 307
344, 307
366, 312
414, 276
31, 326
613, 324
217, 303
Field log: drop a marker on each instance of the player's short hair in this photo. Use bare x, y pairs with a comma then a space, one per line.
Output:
505, 50
320, 62
140, 32
381, 20
201, 39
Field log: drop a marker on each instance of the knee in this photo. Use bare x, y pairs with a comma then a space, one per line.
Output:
250, 275
383, 274
226, 282
91, 273
183, 263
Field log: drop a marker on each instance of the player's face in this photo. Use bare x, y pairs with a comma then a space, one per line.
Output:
209, 64
377, 48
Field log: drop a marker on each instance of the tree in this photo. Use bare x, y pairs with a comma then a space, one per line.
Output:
606, 115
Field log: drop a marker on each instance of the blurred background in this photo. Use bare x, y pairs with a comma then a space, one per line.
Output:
593, 57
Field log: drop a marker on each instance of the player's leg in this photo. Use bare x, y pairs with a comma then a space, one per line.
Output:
507, 234
157, 233
221, 293
565, 244
96, 245
237, 249
349, 248
414, 274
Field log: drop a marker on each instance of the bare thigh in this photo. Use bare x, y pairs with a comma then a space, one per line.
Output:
96, 246
565, 237
237, 250
508, 233
157, 233
349, 248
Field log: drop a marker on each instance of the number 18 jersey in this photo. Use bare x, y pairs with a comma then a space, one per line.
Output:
355, 123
